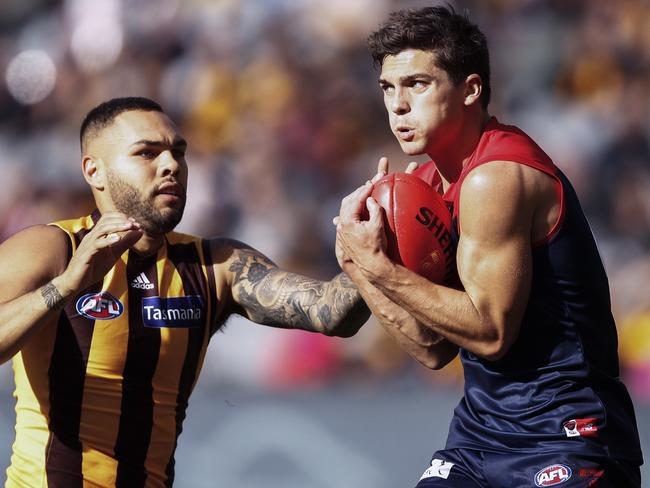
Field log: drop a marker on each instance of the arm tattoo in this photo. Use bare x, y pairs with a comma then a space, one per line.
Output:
52, 297
274, 297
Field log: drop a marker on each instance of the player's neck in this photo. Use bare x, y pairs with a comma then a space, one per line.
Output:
451, 160
148, 244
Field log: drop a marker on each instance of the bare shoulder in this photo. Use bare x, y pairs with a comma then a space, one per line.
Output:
511, 196
39, 244
505, 194
505, 180
30, 258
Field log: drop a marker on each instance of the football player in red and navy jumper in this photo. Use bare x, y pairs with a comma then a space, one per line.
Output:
543, 403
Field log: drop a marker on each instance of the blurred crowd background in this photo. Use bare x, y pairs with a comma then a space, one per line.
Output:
279, 102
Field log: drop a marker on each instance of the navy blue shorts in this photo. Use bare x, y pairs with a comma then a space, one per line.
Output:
466, 468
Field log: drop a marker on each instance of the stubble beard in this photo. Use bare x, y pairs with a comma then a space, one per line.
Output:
133, 203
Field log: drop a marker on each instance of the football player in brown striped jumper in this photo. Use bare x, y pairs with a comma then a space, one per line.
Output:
107, 317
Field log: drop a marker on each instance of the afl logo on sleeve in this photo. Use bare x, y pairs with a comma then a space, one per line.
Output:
553, 475
99, 306
174, 312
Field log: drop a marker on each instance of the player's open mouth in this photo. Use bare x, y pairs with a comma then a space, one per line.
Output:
171, 192
405, 133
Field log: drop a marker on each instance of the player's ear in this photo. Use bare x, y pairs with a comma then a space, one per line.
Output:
473, 89
93, 172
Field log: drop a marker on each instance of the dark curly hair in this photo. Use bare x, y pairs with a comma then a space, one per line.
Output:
460, 47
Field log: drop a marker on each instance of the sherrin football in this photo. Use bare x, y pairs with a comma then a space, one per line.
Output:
418, 226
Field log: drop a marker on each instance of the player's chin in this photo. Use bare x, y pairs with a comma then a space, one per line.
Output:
169, 217
411, 148
162, 226
170, 200
173, 214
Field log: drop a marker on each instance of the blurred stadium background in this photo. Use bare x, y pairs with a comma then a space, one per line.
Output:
279, 101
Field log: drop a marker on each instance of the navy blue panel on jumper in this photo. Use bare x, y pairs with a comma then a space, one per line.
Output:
557, 388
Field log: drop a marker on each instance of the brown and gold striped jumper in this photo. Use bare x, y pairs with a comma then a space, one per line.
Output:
102, 392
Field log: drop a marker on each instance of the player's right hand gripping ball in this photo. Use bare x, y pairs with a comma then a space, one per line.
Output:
418, 226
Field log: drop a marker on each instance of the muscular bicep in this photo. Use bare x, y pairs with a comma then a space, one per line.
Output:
494, 252
30, 259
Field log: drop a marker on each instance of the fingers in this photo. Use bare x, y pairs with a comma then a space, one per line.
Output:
114, 230
382, 170
374, 211
412, 166
377, 177
353, 204
382, 167
113, 223
125, 241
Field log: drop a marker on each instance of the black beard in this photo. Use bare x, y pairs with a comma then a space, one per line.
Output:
131, 202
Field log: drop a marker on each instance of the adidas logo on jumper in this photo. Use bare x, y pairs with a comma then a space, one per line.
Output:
142, 282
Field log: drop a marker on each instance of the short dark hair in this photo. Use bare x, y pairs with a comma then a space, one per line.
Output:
460, 46
102, 115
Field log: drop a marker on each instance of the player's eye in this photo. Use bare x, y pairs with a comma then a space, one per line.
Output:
146, 153
387, 88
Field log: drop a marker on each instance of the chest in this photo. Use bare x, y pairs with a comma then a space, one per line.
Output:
144, 312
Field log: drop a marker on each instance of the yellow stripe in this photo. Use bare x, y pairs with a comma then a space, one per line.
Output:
102, 398
173, 346
76, 225
73, 226
32, 393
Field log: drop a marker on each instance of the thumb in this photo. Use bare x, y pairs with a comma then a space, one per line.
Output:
374, 210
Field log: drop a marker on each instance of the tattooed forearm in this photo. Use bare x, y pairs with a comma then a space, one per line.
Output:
274, 297
344, 295
52, 297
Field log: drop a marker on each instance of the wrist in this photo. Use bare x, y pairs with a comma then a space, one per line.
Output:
62, 286
382, 267
52, 296
351, 269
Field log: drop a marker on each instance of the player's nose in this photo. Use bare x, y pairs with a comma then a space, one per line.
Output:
168, 163
399, 102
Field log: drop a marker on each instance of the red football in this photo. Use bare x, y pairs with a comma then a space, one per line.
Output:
418, 226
